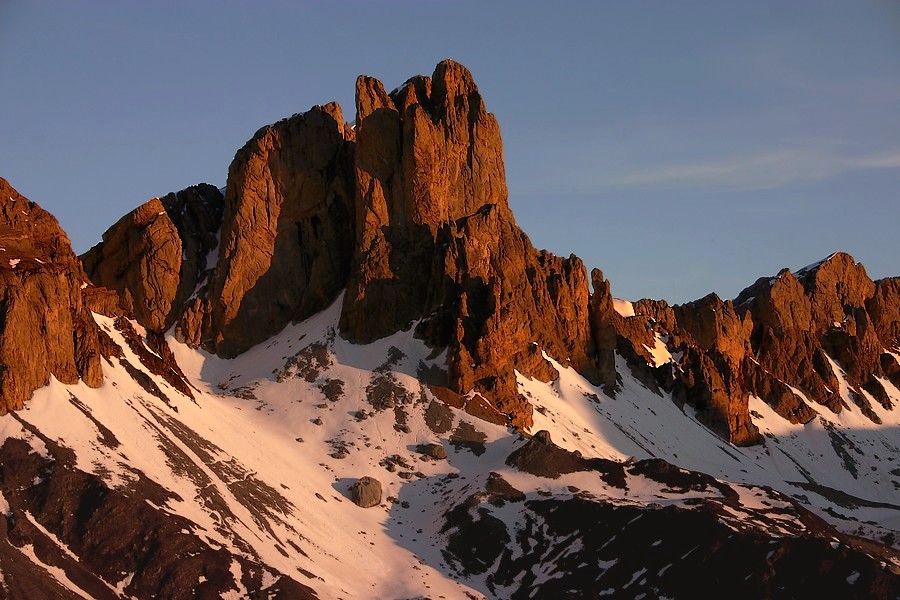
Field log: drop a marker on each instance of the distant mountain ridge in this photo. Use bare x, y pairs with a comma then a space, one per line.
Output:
368, 286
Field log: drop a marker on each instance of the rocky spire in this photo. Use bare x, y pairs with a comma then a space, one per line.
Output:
407, 212
436, 243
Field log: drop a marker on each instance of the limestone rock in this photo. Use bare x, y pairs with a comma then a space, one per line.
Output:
407, 214
802, 323
104, 301
435, 239
776, 340
427, 156
612, 332
884, 309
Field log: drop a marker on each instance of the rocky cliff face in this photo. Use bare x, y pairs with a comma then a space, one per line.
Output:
45, 326
407, 214
287, 231
436, 242
383, 268
805, 322
156, 255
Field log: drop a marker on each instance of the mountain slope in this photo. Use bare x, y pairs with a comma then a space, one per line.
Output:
257, 468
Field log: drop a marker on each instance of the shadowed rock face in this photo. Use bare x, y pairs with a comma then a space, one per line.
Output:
107, 533
287, 233
595, 548
155, 256
45, 327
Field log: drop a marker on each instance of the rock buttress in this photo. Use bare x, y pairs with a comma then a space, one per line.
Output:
437, 243
779, 337
45, 327
287, 232
155, 256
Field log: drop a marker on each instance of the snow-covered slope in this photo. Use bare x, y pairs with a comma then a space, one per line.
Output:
260, 463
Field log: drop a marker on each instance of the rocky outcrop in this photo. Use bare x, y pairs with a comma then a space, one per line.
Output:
437, 243
427, 155
45, 327
710, 545
156, 255
432, 450
287, 231
803, 323
407, 214
884, 308
613, 333
780, 340
93, 534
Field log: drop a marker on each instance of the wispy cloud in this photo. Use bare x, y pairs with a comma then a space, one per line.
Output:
759, 171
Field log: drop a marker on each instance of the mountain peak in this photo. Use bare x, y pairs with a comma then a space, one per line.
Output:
839, 256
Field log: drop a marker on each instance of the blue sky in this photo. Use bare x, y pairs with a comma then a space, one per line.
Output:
680, 147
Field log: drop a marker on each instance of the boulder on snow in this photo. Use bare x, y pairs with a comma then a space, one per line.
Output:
366, 492
432, 450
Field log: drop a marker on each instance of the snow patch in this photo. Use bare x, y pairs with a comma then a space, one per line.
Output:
659, 353
623, 307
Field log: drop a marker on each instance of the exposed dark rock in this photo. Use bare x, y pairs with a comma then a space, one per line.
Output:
596, 549
432, 450
539, 456
466, 436
366, 492
110, 532
157, 358
500, 489
438, 417
543, 436
333, 389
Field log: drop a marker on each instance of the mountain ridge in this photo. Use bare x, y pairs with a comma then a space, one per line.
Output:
363, 292
414, 222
